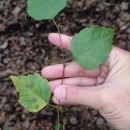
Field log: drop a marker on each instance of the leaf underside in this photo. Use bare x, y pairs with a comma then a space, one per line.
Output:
45, 9
91, 47
34, 91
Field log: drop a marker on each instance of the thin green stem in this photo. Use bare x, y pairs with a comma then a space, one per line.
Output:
55, 23
52, 105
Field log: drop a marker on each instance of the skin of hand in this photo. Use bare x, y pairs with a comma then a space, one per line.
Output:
106, 89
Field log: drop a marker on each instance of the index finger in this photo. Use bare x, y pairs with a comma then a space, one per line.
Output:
54, 38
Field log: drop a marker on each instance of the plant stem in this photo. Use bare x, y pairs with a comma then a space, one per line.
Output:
58, 114
62, 51
52, 105
58, 28
63, 60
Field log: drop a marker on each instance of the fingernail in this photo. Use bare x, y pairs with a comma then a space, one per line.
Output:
60, 92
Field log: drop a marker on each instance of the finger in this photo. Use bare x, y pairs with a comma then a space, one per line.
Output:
55, 100
76, 81
87, 96
71, 70
55, 39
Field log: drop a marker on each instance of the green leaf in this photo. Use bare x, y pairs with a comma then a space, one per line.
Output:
45, 9
34, 91
65, 120
91, 47
57, 126
61, 108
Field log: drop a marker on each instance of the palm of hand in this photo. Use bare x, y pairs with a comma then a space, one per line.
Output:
106, 89
116, 95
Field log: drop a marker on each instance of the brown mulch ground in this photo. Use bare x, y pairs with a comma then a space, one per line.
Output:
24, 49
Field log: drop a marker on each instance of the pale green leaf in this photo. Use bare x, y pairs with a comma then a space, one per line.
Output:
34, 91
45, 9
57, 126
91, 47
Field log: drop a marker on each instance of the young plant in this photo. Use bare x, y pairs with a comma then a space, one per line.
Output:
90, 48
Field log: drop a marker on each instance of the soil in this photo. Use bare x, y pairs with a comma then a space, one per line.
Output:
24, 48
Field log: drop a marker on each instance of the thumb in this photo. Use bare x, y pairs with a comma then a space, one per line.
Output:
87, 96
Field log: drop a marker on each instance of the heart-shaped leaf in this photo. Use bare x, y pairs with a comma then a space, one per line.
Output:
91, 47
34, 91
45, 9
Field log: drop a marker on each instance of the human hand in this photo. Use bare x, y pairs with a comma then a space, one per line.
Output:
106, 89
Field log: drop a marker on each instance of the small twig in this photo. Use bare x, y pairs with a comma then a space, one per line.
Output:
62, 51
58, 28
63, 60
64, 63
